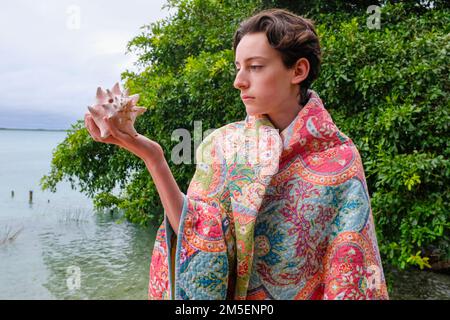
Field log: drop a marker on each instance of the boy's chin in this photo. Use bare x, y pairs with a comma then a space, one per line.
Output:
252, 111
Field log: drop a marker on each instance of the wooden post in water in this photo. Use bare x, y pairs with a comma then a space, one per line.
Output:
30, 200
12, 193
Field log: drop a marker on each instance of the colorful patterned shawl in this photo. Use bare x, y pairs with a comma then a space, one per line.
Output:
273, 216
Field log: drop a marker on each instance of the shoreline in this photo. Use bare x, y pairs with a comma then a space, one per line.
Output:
19, 129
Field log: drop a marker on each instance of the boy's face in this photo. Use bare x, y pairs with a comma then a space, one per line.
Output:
271, 85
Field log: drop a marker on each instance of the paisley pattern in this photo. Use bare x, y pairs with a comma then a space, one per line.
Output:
272, 215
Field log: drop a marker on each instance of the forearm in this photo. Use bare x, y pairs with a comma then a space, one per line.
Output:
168, 190
153, 156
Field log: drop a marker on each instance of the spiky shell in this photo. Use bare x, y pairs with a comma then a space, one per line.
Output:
119, 107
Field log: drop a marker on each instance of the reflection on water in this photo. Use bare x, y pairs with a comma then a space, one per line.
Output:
109, 256
60, 234
112, 259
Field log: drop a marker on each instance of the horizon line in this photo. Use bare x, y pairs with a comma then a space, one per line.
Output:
34, 129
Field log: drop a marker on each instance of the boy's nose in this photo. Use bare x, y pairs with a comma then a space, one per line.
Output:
240, 83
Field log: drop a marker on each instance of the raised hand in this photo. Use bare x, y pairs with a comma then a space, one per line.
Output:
144, 148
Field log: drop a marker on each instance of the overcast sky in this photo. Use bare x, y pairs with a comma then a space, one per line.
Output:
54, 54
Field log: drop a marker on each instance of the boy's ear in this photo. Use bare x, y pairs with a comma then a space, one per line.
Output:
301, 71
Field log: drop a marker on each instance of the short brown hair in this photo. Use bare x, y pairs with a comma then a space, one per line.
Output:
294, 37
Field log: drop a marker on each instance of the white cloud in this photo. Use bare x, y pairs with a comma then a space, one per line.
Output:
55, 53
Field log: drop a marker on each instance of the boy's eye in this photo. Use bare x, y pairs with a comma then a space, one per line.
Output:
250, 67
254, 67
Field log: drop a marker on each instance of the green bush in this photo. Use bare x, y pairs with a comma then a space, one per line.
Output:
387, 88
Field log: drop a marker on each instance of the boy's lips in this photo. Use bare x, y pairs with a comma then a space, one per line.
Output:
246, 97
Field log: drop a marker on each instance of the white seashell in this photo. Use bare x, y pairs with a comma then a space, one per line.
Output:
119, 107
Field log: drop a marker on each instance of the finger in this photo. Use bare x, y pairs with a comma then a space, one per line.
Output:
87, 122
94, 131
86, 115
93, 126
116, 133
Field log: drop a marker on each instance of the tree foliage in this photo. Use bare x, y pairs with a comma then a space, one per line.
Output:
386, 88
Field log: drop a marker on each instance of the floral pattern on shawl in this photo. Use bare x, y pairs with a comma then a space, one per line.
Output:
272, 215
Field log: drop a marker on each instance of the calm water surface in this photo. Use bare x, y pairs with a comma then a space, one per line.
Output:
64, 250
